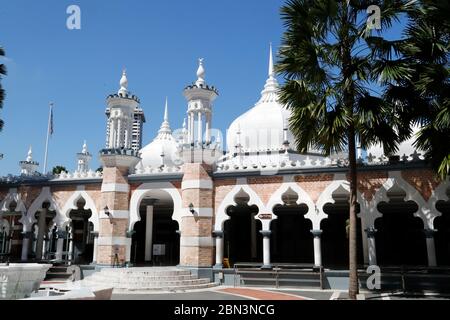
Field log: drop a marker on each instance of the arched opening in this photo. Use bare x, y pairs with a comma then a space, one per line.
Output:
400, 238
156, 238
10, 236
242, 237
442, 236
335, 228
81, 234
291, 238
43, 245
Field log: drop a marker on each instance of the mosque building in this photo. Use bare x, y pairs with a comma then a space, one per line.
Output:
186, 199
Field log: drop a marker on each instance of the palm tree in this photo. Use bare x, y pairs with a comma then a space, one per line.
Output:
59, 169
2, 92
421, 93
327, 64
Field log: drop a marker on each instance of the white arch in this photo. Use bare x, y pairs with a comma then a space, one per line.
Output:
145, 188
229, 200
44, 196
303, 197
71, 204
440, 194
426, 212
10, 197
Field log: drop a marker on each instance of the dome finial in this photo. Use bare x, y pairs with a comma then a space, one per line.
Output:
166, 111
123, 82
30, 155
200, 73
271, 86
84, 150
271, 73
165, 126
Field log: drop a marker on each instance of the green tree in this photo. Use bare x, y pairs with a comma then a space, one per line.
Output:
2, 91
421, 92
59, 169
327, 63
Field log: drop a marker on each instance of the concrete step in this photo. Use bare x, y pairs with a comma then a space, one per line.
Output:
168, 288
133, 278
147, 279
131, 284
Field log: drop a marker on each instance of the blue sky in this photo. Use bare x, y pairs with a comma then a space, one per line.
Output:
157, 42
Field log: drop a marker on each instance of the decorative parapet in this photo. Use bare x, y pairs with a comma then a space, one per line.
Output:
120, 151
156, 170
78, 175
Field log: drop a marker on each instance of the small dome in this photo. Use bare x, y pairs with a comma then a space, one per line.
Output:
162, 150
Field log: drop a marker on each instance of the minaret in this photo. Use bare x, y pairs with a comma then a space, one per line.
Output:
118, 160
28, 167
83, 159
125, 119
200, 98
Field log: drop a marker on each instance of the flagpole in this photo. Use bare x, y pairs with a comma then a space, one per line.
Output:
48, 135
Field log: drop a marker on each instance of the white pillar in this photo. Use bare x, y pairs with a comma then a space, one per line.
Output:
253, 235
119, 133
94, 257
192, 132
317, 247
219, 249
200, 128
59, 246
41, 230
431, 250
208, 127
70, 240
149, 234
266, 249
27, 236
371, 247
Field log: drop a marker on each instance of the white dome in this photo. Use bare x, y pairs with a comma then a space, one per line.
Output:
262, 127
162, 151
405, 149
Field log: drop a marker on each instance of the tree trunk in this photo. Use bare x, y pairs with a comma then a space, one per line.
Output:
353, 289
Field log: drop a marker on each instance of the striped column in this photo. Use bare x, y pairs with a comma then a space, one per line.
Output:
196, 242
114, 212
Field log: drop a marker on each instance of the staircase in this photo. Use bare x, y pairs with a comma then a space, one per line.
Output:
61, 273
135, 280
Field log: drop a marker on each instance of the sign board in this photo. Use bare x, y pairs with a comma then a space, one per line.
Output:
159, 249
265, 216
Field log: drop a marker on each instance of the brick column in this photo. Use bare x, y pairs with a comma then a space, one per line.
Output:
196, 242
114, 213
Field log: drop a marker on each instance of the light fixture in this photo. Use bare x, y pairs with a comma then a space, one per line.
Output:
191, 208
106, 209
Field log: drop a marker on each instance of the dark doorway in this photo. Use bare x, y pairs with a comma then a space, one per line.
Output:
335, 228
242, 237
165, 237
442, 236
291, 238
83, 246
400, 238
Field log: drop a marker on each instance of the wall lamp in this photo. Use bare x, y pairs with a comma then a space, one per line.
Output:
106, 210
191, 208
